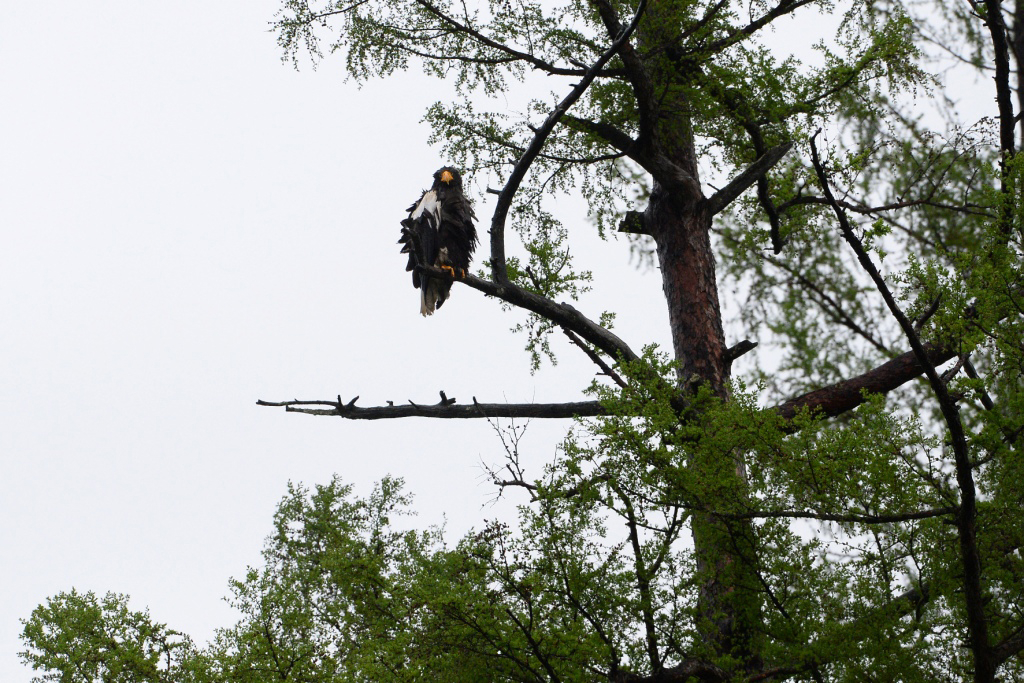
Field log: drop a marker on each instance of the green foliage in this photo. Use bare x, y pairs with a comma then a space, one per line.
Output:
334, 593
80, 638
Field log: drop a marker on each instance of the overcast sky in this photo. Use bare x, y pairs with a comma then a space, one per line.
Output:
190, 225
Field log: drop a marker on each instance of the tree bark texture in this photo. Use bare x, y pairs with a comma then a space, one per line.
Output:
682, 235
729, 602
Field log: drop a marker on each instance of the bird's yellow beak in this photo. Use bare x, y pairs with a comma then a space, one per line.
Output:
447, 177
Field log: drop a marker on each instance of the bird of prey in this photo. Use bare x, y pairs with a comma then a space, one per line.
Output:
439, 232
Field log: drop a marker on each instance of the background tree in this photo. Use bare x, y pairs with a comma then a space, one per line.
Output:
829, 519
79, 638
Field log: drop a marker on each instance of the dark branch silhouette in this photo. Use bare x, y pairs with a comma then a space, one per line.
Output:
562, 314
748, 177
446, 408
970, 555
499, 271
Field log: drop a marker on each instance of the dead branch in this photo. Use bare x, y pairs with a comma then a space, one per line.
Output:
606, 369
739, 349
446, 408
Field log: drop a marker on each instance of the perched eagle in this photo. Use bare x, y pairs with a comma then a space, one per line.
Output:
439, 232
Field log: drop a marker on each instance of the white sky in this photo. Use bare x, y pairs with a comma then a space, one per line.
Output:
189, 225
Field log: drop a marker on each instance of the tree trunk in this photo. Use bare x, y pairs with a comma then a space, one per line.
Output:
729, 605
682, 234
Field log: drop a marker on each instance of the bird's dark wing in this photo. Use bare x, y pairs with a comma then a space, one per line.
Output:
419, 235
457, 233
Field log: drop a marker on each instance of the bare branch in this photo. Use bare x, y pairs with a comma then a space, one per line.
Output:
446, 409
739, 349
634, 223
605, 368
838, 398
510, 438
844, 396
532, 488
829, 304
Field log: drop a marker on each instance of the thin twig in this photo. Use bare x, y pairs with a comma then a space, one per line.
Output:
592, 355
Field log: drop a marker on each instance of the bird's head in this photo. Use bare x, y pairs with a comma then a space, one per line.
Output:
448, 177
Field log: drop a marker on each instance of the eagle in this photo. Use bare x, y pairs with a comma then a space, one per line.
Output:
439, 232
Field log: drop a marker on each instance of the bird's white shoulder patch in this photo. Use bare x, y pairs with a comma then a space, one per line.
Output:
428, 204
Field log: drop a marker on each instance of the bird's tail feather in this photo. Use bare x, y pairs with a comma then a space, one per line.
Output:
428, 297
433, 293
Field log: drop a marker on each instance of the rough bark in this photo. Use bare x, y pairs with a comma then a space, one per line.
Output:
682, 235
728, 603
839, 398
